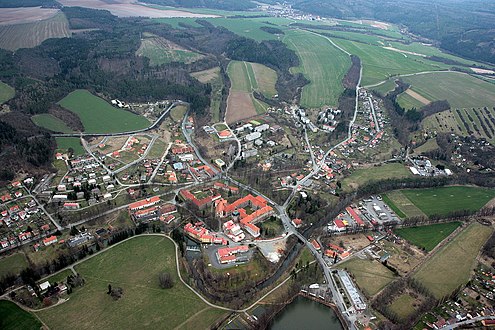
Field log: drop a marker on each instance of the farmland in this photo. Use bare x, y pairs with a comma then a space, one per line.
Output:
460, 90
27, 35
322, 64
444, 272
370, 275
386, 171
51, 123
6, 92
241, 103
410, 99
161, 51
427, 237
13, 264
444, 200
98, 116
13, 317
64, 143
143, 304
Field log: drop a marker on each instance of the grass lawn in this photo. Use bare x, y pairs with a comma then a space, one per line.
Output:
397, 200
386, 171
6, 92
428, 237
403, 305
460, 90
13, 264
64, 143
452, 265
444, 200
392, 205
157, 149
370, 275
408, 102
178, 112
386, 87
322, 64
51, 123
134, 266
98, 116
12, 317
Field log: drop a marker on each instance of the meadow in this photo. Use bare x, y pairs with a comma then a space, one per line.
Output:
387, 171
64, 143
98, 116
401, 204
403, 305
51, 123
452, 265
13, 264
161, 51
6, 92
444, 200
27, 35
12, 317
370, 275
134, 266
322, 64
427, 237
459, 89
408, 102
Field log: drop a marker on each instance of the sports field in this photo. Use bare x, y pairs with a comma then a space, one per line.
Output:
427, 237
161, 51
98, 116
370, 275
444, 200
64, 143
387, 171
398, 201
51, 123
460, 90
322, 64
6, 92
379, 64
27, 35
13, 264
452, 264
134, 266
12, 317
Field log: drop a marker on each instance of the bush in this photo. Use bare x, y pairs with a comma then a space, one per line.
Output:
165, 280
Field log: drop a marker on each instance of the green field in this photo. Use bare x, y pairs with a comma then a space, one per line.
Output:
444, 200
386, 87
322, 64
64, 143
399, 202
408, 102
427, 237
12, 317
403, 305
452, 265
134, 266
27, 35
392, 205
459, 89
13, 264
161, 51
51, 123
370, 275
6, 92
387, 171
379, 64
245, 27
98, 116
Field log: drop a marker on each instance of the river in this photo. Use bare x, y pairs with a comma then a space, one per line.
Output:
305, 314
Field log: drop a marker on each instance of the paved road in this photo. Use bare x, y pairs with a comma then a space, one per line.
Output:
374, 114
145, 154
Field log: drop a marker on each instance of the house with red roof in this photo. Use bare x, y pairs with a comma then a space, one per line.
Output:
50, 240
297, 222
228, 255
144, 203
354, 215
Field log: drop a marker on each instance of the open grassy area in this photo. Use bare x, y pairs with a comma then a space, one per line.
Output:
178, 113
444, 200
27, 35
13, 264
134, 266
245, 27
161, 51
370, 275
213, 77
386, 87
452, 265
408, 102
322, 64
265, 78
64, 143
459, 89
376, 173
428, 237
399, 202
6, 92
98, 116
403, 305
12, 317
51, 123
